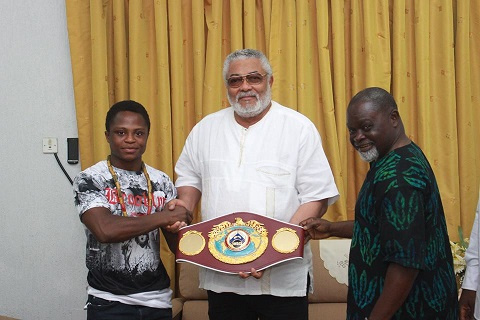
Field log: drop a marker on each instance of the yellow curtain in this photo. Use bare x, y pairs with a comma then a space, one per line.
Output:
168, 55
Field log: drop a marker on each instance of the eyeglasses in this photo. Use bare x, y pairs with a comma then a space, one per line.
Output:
252, 78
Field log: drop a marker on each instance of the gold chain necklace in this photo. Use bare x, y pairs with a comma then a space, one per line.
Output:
119, 190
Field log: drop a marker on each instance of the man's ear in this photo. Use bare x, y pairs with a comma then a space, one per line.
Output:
107, 136
395, 117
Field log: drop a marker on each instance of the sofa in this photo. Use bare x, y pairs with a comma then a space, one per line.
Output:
328, 301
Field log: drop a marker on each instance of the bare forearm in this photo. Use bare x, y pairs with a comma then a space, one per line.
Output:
118, 229
467, 304
190, 196
108, 228
342, 229
398, 283
314, 209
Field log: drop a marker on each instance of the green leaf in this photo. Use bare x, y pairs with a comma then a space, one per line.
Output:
462, 239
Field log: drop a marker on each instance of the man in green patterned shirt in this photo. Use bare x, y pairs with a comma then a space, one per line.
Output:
400, 263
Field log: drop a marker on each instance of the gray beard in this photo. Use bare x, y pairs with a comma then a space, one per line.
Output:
251, 111
370, 155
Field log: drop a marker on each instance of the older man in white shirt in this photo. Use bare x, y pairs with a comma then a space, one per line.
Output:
256, 156
470, 299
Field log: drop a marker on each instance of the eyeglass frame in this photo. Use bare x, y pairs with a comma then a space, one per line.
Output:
244, 78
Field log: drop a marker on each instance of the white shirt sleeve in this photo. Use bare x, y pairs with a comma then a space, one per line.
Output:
314, 176
471, 280
186, 167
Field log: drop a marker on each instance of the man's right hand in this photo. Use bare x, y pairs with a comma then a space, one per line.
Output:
179, 216
467, 304
175, 202
316, 228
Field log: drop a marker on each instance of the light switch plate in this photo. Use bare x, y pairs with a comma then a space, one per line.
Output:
50, 145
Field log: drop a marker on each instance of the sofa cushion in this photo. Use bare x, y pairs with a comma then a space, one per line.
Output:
195, 310
177, 307
330, 311
188, 283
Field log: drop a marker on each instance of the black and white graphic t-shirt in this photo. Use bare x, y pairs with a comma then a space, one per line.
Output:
132, 266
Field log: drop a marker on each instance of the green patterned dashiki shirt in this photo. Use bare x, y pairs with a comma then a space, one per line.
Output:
399, 218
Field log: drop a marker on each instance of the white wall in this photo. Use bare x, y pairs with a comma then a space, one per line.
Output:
42, 264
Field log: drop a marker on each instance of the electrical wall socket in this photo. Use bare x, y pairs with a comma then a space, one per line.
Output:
50, 145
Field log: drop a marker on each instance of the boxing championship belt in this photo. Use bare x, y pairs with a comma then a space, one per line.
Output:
240, 241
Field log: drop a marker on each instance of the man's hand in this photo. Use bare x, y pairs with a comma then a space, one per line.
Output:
316, 228
175, 202
178, 215
467, 304
254, 273
174, 228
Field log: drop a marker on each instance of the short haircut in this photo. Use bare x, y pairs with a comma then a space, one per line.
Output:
126, 105
378, 97
247, 54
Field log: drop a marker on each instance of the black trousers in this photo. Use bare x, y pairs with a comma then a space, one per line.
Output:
101, 309
233, 306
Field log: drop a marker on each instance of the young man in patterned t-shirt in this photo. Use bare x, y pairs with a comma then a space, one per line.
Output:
120, 201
